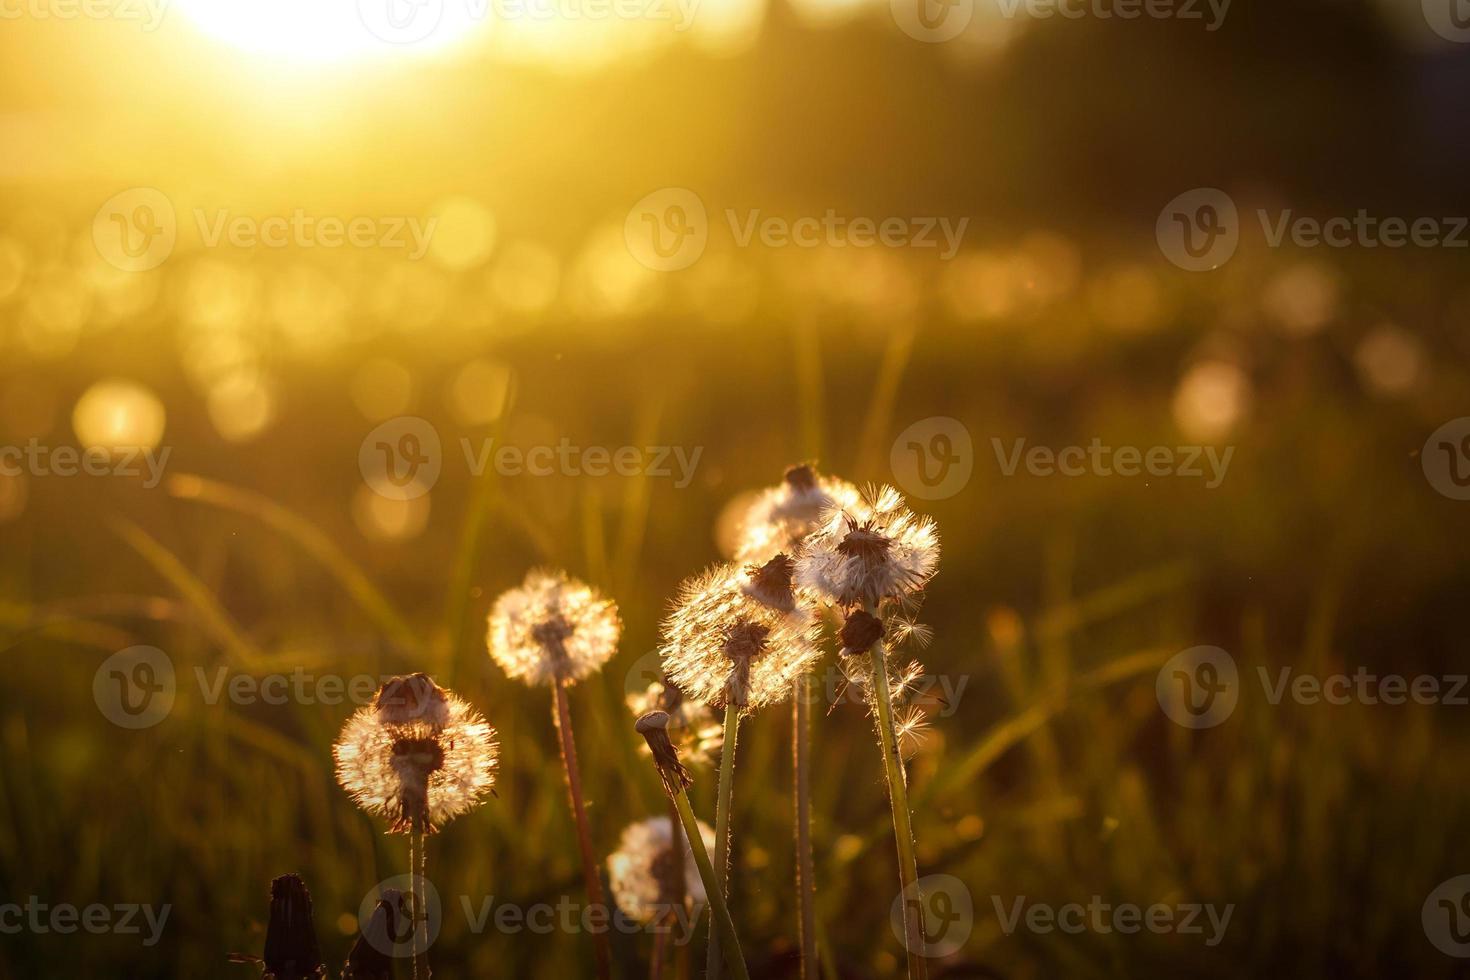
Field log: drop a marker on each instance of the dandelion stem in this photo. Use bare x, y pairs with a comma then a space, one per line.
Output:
719, 909
903, 830
563, 718
801, 734
722, 828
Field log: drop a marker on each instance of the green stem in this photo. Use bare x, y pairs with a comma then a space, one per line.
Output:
806, 891
719, 910
903, 830
563, 718
722, 828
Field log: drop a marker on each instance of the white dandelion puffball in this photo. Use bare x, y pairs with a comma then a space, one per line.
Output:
723, 642
416, 768
782, 516
641, 870
553, 628
877, 549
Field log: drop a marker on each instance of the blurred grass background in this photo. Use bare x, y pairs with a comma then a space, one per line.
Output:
1057, 776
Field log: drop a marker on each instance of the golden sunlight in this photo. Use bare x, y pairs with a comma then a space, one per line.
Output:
334, 30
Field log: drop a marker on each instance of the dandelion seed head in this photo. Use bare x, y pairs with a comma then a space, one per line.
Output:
412, 772
722, 642
552, 627
868, 552
782, 516
642, 870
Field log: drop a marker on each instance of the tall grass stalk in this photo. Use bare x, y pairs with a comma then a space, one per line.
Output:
722, 829
562, 716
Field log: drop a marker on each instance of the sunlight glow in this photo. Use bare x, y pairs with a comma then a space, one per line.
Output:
334, 30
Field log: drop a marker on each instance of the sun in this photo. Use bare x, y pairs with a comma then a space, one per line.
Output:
335, 30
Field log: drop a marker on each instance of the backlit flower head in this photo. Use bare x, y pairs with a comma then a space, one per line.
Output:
782, 516
642, 870
419, 755
737, 633
692, 725
874, 550
553, 627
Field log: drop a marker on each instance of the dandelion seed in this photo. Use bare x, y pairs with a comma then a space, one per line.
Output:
869, 552
733, 639
552, 628
644, 870
419, 756
912, 727
782, 516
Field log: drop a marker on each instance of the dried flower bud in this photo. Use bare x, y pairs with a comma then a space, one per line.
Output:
654, 727
291, 950
770, 584
860, 632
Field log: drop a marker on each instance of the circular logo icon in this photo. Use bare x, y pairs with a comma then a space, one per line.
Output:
1198, 688
401, 915
400, 21
1446, 459
402, 458
1446, 917
932, 21
1199, 230
933, 459
134, 688
136, 230
667, 230
934, 916
1450, 19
